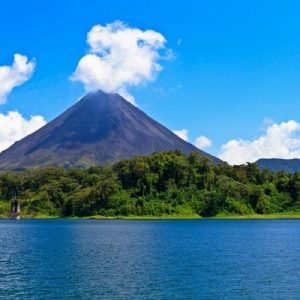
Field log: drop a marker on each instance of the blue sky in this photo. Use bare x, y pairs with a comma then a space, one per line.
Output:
235, 71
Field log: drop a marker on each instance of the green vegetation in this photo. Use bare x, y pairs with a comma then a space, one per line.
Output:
162, 185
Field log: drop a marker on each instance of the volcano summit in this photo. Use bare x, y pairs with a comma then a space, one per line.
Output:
99, 129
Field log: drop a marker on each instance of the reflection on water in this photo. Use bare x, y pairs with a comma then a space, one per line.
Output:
63, 259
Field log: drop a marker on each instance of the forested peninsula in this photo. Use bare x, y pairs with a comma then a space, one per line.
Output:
164, 184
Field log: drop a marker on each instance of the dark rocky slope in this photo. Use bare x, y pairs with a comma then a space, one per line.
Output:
99, 129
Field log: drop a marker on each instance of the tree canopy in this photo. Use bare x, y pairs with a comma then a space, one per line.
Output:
158, 184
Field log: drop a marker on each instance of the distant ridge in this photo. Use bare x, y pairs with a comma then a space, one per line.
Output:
278, 164
99, 129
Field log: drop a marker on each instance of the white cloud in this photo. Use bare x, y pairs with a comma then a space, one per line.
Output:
202, 142
13, 127
15, 75
280, 141
119, 57
182, 133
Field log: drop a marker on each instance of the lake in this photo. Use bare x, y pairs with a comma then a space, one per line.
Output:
114, 259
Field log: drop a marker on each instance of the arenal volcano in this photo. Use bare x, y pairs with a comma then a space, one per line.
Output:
99, 129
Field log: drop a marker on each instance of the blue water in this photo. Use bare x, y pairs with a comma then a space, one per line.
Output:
205, 259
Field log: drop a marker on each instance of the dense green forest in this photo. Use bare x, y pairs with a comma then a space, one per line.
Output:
167, 183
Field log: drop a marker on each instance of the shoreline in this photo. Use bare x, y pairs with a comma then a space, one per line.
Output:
165, 217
